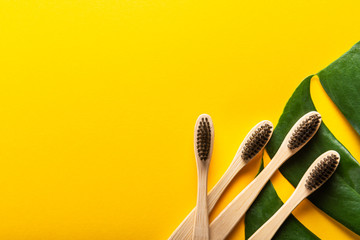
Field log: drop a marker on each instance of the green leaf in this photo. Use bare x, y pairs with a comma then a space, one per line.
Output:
266, 204
341, 81
339, 197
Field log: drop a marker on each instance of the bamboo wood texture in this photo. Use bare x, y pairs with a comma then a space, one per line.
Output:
230, 216
185, 229
201, 224
268, 230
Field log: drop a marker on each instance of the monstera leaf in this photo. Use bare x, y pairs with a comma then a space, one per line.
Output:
340, 196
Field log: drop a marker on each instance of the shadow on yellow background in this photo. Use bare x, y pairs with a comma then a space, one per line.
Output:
98, 100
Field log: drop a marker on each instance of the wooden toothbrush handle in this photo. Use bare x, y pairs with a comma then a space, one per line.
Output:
201, 224
185, 230
268, 230
231, 215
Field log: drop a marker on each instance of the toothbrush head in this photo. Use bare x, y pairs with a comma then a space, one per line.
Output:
257, 140
204, 137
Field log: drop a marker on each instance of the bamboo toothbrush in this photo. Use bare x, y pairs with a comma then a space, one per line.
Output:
203, 146
316, 175
251, 147
303, 130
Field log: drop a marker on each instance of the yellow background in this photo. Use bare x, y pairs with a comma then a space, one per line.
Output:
98, 100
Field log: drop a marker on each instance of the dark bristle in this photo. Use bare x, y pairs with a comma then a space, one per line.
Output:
203, 139
322, 172
304, 131
256, 142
